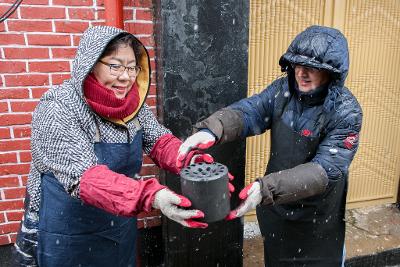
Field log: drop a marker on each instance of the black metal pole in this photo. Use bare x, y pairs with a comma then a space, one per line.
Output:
201, 67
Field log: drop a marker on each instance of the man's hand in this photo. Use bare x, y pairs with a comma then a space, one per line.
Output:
170, 205
200, 140
251, 196
188, 150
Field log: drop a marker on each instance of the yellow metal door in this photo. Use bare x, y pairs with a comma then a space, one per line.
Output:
373, 32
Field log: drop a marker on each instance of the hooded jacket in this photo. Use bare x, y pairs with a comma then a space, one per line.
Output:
317, 47
64, 126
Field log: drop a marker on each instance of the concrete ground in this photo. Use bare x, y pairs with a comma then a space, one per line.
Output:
369, 231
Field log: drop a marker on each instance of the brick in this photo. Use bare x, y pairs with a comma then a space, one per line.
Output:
23, 106
149, 170
36, 2
128, 3
101, 14
4, 240
15, 215
147, 160
152, 64
71, 26
148, 222
46, 12
5, 8
153, 79
24, 179
147, 41
152, 213
59, 78
12, 38
153, 90
29, 25
25, 156
14, 93
13, 237
3, 107
27, 80
128, 14
73, 2
75, 39
13, 119
5, 133
49, 66
12, 205
2, 217
94, 23
151, 101
151, 53
8, 158
21, 132
12, 145
142, 3
14, 169
12, 67
144, 15
38, 92
81, 13
49, 39
139, 28
63, 52
14, 193
9, 182
9, 227
26, 53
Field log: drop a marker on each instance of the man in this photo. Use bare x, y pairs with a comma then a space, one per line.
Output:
315, 123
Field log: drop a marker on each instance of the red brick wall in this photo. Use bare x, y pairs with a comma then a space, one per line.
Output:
37, 45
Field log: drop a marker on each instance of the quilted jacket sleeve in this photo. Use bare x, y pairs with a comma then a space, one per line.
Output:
337, 149
257, 110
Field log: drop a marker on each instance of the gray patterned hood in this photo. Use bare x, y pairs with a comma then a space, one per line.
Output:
319, 47
92, 44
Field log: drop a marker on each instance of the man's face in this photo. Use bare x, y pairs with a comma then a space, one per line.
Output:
310, 78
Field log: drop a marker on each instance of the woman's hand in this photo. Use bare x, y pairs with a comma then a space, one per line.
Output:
170, 205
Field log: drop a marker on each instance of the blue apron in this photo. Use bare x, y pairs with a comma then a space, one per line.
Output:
307, 232
72, 233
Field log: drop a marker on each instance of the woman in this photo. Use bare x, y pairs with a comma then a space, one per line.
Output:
87, 139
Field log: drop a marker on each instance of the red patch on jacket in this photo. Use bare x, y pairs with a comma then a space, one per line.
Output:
306, 132
350, 140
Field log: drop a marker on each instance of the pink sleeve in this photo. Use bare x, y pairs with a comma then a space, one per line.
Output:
165, 152
117, 193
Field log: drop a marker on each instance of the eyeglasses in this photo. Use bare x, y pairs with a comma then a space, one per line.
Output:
118, 70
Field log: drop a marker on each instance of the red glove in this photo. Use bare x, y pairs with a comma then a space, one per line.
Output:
117, 193
171, 205
251, 196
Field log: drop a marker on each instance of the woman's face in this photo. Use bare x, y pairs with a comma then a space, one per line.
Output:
309, 79
119, 83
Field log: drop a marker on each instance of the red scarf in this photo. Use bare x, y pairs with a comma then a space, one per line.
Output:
104, 102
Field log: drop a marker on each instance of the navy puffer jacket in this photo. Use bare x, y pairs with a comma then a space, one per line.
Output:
323, 48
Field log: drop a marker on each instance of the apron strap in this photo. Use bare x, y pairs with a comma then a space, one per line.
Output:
97, 133
97, 130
